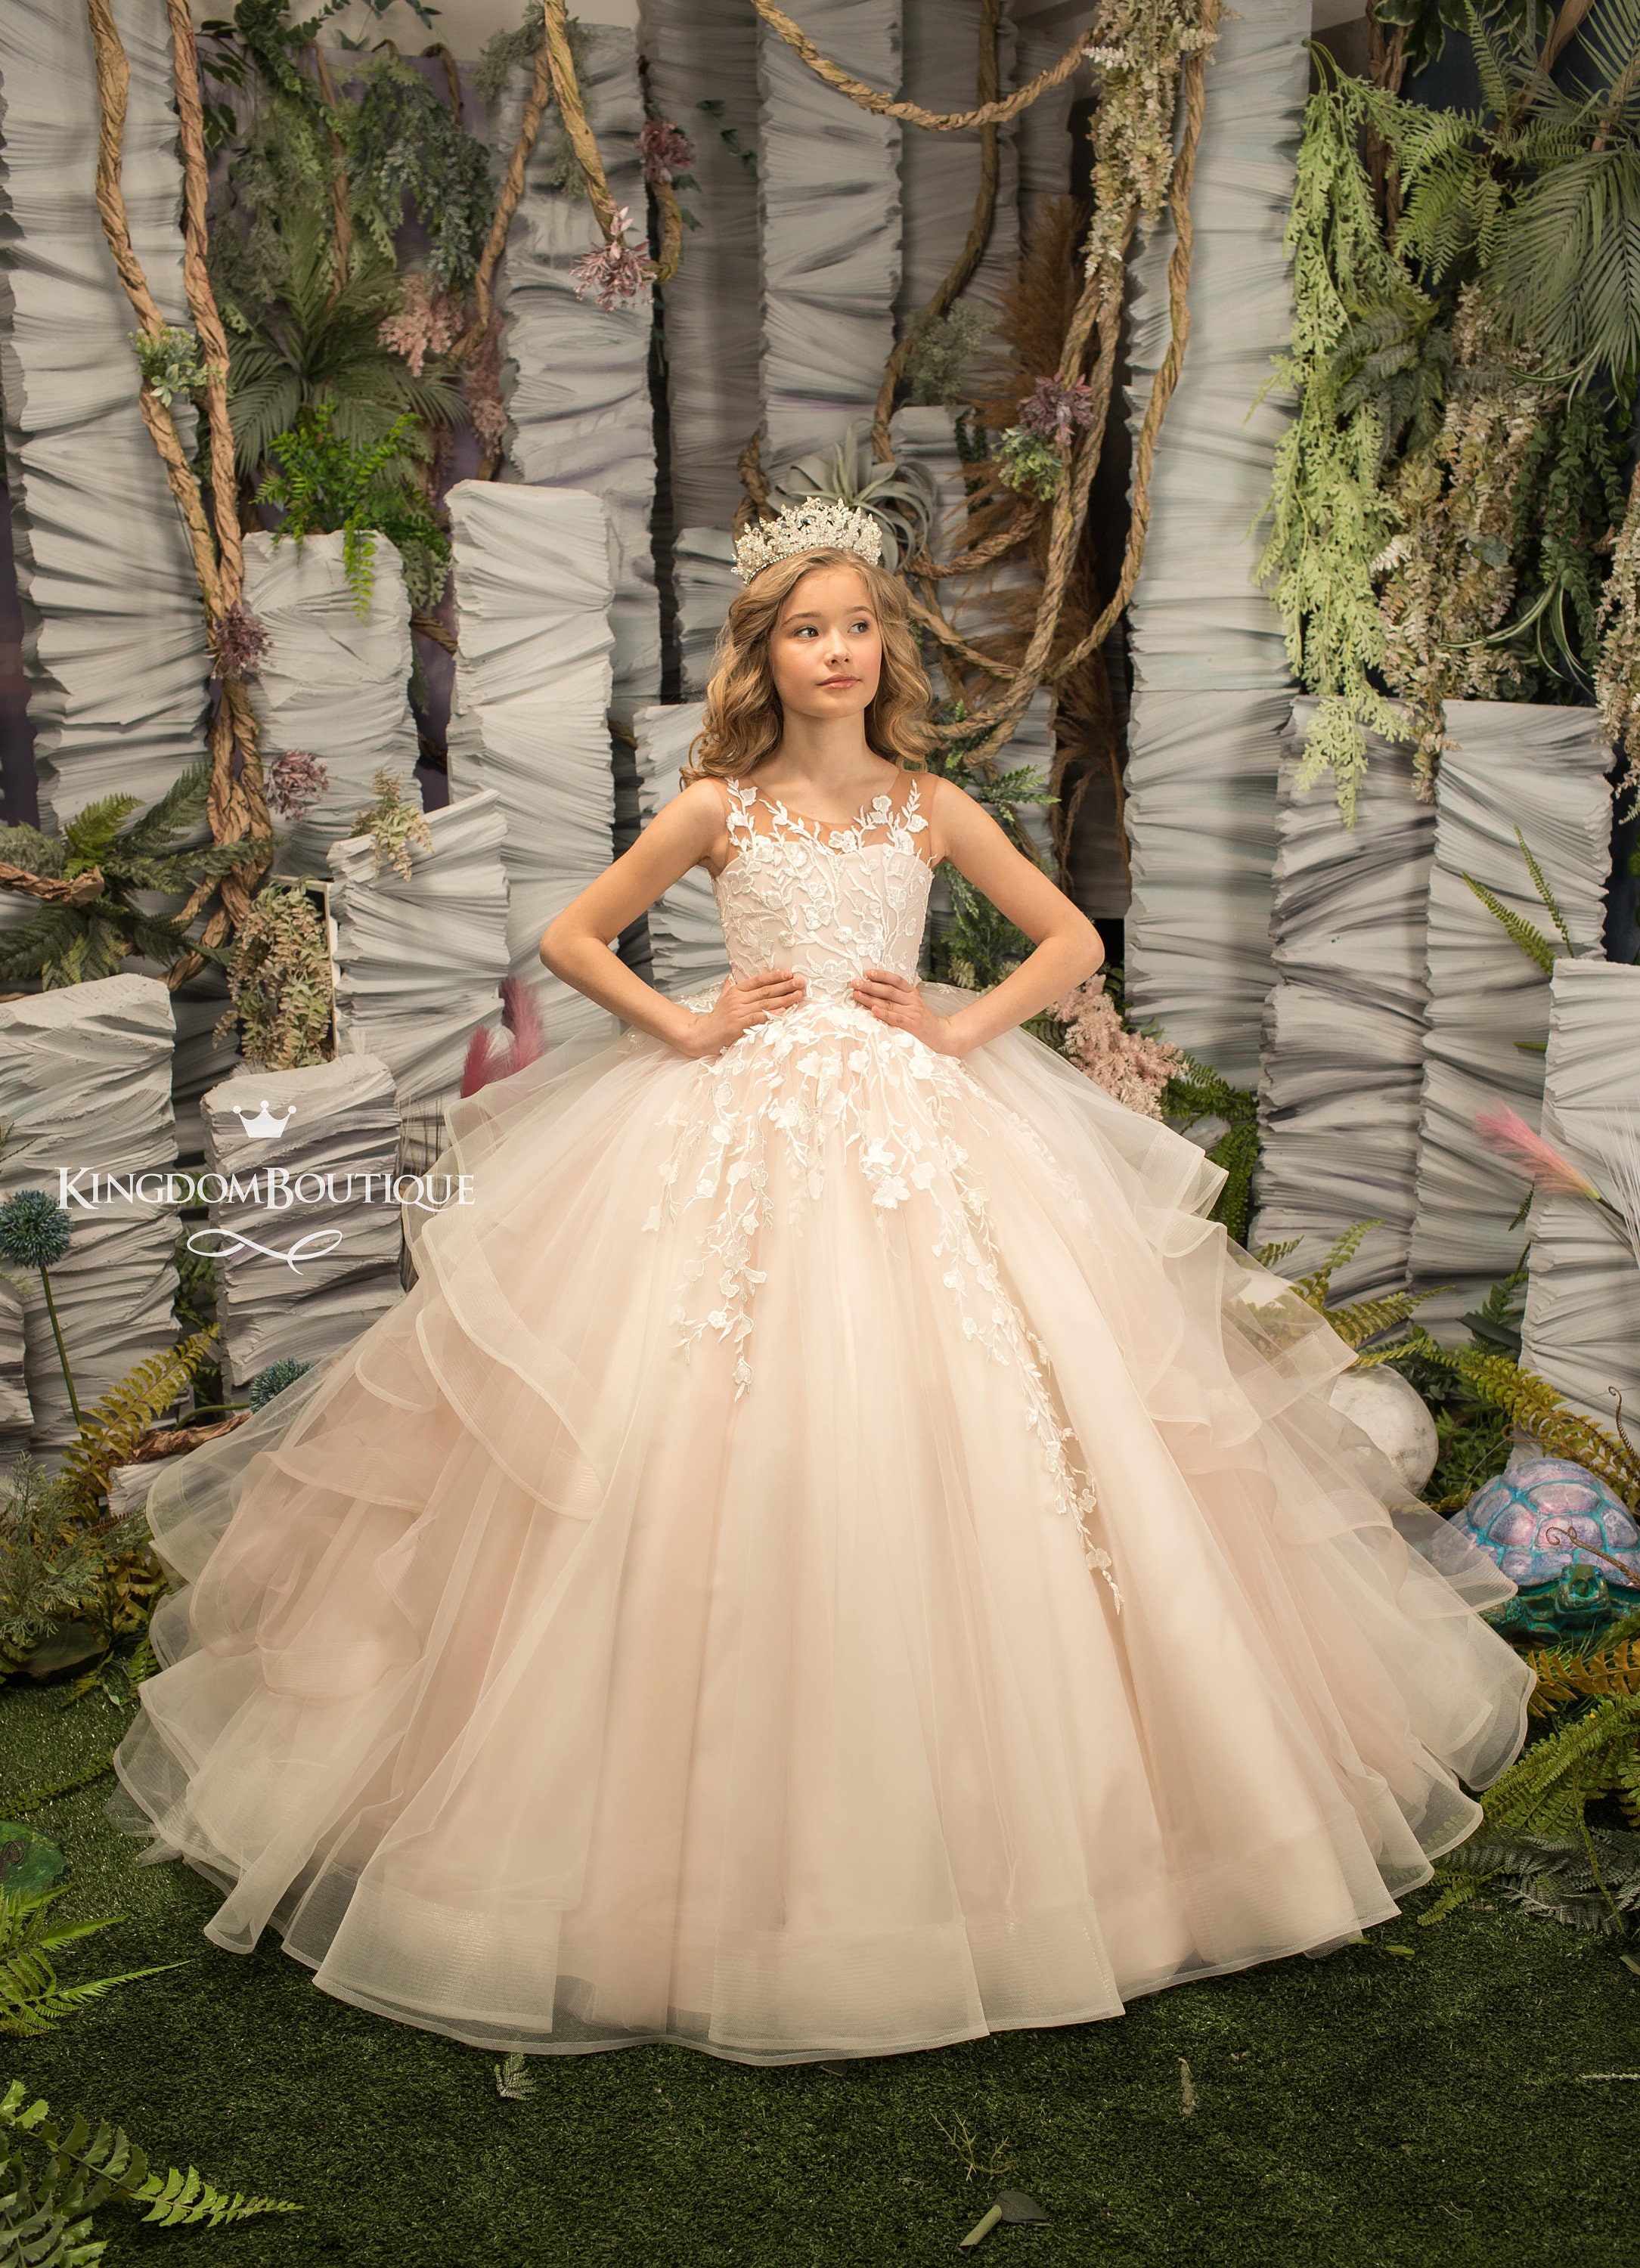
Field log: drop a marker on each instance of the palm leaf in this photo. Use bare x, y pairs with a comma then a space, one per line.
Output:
1569, 262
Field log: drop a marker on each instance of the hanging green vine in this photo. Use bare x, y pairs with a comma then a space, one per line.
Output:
1443, 507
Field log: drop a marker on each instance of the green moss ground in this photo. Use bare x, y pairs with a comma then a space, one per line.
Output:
1379, 2108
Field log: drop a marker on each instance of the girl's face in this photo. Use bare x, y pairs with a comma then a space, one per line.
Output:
825, 650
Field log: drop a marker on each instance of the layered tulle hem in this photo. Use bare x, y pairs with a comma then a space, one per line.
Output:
835, 1554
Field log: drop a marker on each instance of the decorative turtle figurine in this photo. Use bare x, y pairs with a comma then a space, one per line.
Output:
1561, 1535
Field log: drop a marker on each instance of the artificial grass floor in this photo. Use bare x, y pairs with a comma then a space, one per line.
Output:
1379, 2108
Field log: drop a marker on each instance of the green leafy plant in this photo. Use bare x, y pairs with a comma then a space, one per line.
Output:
1028, 463
405, 144
323, 482
1442, 507
1531, 939
1545, 1796
33, 1999
1200, 1092
58, 2177
901, 497
944, 351
35, 1231
116, 855
1532, 1404
170, 361
73, 1582
392, 824
279, 981
1356, 1322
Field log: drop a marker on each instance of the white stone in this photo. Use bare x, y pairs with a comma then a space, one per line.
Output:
1390, 1411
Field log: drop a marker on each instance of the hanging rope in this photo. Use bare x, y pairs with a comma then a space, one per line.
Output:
201, 305
973, 249
236, 806
932, 121
1166, 379
1099, 311
554, 78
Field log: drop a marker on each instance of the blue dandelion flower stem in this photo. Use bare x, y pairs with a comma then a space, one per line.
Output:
62, 1352
34, 1233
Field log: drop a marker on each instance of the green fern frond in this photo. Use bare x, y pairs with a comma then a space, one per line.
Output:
1551, 1787
115, 1424
1530, 938
112, 2165
1360, 1320
1271, 1255
1532, 1404
1314, 1287
1544, 892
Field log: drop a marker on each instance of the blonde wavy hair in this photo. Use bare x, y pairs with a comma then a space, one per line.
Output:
744, 718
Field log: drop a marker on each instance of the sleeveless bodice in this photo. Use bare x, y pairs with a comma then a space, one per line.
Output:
826, 902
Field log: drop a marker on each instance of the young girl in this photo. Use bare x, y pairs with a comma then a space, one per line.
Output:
836, 1554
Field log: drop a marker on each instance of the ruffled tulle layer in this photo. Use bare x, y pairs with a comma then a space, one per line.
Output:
834, 1556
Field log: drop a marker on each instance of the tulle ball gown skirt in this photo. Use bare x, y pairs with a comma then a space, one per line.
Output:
835, 1554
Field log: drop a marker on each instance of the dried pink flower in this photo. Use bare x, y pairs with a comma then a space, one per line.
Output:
497, 1055
1054, 411
615, 272
1132, 1068
665, 149
1504, 1130
428, 322
482, 378
243, 644
295, 782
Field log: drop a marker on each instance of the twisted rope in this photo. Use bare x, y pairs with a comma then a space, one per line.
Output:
236, 804
1099, 310
201, 304
1166, 379
554, 77
973, 249
932, 121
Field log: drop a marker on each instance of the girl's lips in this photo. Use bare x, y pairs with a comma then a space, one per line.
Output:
826, 682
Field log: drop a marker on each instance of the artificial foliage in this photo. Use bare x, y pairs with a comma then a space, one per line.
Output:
33, 1999
900, 495
1199, 1093
322, 483
1356, 1322
58, 2177
1537, 946
119, 850
302, 254
36, 1232
74, 1581
1532, 1404
1447, 513
170, 362
1545, 1795
279, 981
944, 353
407, 149
395, 826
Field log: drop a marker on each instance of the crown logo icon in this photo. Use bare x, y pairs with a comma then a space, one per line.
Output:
264, 1127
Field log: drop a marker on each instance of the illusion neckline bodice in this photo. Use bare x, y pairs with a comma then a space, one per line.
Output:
828, 902
898, 822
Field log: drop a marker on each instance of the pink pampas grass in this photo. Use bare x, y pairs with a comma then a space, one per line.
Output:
497, 1055
1504, 1131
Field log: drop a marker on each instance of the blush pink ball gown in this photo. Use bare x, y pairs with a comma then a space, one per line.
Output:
835, 1554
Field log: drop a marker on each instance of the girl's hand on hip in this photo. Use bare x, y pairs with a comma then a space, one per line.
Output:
898, 1001
741, 1004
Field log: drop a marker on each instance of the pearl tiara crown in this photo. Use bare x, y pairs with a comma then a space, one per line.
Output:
816, 523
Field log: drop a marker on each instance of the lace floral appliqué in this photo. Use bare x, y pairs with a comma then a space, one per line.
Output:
825, 1085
